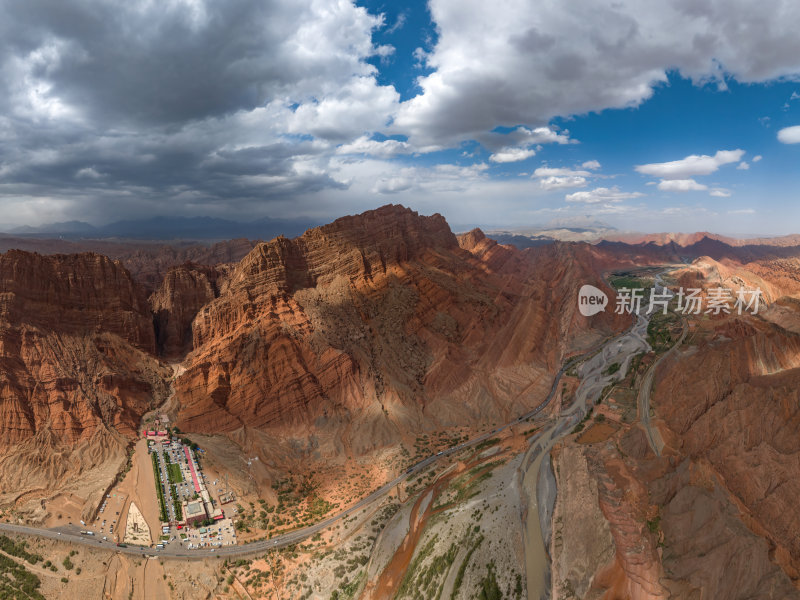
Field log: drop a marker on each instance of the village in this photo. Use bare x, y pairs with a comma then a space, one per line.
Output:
168, 503
191, 508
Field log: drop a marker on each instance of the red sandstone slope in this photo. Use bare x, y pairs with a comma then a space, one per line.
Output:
76, 369
182, 293
374, 326
147, 262
73, 293
732, 402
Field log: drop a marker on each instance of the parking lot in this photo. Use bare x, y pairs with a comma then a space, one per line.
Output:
222, 533
183, 484
165, 486
106, 524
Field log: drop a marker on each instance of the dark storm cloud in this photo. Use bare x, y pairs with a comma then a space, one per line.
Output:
167, 62
112, 104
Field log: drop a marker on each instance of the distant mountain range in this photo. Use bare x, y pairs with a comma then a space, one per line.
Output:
571, 229
586, 229
171, 228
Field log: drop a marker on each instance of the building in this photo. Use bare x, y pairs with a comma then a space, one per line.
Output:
194, 512
192, 470
156, 436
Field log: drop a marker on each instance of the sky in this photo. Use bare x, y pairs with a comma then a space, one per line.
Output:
682, 115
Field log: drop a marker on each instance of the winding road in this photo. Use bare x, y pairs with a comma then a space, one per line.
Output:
172, 551
618, 349
645, 389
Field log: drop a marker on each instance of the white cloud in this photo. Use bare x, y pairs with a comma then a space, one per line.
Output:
290, 101
393, 185
757, 158
789, 135
358, 106
507, 155
518, 144
557, 183
88, 173
401, 20
743, 166
555, 178
420, 57
742, 211
441, 178
720, 193
680, 185
383, 149
385, 50
559, 172
541, 135
691, 166
601, 195
585, 56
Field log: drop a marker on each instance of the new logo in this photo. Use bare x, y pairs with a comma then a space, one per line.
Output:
591, 300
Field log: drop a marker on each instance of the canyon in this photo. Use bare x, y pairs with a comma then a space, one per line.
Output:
346, 354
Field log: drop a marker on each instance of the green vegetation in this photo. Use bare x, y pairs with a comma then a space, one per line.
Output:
411, 572
466, 484
462, 570
299, 505
176, 503
518, 586
189, 443
579, 427
658, 330
16, 582
611, 369
488, 589
654, 524
347, 589
159, 491
18, 549
619, 282
67, 563
428, 581
487, 443
174, 473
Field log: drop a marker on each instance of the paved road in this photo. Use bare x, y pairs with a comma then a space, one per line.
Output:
645, 389
72, 534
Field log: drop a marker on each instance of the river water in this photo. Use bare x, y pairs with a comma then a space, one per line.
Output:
539, 480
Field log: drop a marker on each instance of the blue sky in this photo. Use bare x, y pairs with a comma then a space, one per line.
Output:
682, 118
676, 116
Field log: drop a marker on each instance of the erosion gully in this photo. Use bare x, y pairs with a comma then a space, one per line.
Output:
538, 479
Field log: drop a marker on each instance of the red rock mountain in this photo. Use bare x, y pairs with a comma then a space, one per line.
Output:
77, 370
181, 294
344, 339
734, 406
381, 324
